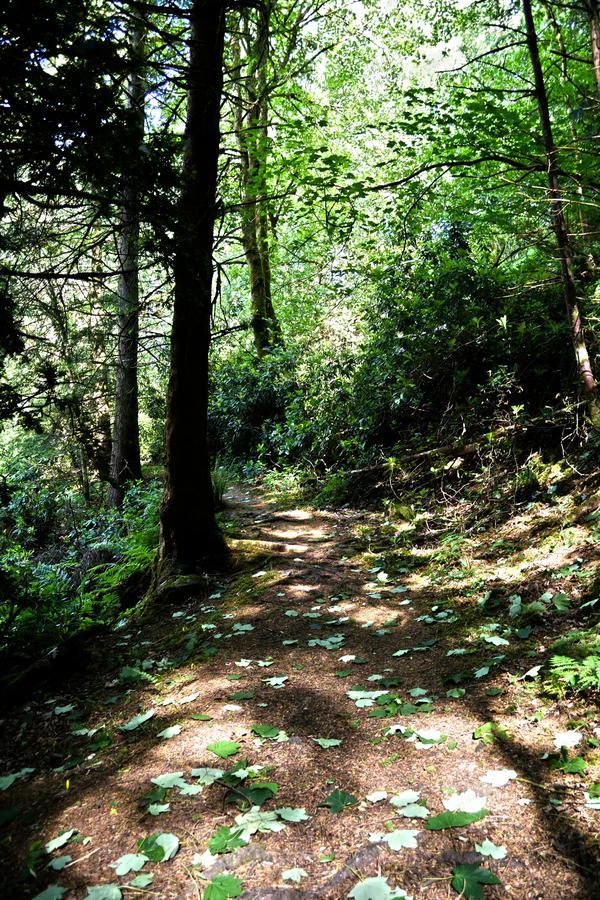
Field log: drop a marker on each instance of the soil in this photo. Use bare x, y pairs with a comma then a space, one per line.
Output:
350, 572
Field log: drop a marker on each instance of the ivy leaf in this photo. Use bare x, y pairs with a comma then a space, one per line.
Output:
104, 892
206, 775
404, 798
295, 875
277, 681
414, 811
130, 862
266, 731
489, 732
498, 777
7, 781
171, 732
169, 780
574, 766
467, 801
59, 862
257, 821
469, 879
397, 840
155, 809
455, 693
454, 819
243, 695
141, 881
339, 800
52, 892
169, 844
377, 796
326, 743
137, 721
159, 847
225, 840
375, 889
488, 848
60, 841
288, 814
224, 748
222, 887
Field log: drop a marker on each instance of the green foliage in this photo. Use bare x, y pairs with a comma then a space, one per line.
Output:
64, 564
575, 664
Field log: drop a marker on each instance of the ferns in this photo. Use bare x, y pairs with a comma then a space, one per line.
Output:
576, 669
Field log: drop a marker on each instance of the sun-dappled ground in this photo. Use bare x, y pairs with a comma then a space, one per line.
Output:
354, 711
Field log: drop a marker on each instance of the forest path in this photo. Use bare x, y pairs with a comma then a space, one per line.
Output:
325, 603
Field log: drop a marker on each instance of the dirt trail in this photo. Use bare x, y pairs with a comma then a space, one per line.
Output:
314, 613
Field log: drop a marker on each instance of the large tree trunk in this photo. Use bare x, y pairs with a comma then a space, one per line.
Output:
190, 540
560, 227
252, 136
125, 462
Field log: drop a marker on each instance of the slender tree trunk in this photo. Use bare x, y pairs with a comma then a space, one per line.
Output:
564, 77
594, 20
125, 462
190, 540
560, 227
252, 136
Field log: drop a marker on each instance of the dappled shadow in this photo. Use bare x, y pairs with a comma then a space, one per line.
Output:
102, 798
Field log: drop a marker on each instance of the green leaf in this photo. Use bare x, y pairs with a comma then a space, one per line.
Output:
326, 743
288, 814
401, 839
201, 717
455, 693
169, 843
169, 780
224, 748
137, 721
170, 732
561, 602
413, 811
266, 731
256, 821
104, 892
7, 781
159, 847
225, 840
207, 775
277, 681
574, 766
52, 892
295, 875
469, 879
141, 881
59, 862
156, 809
454, 819
488, 848
222, 887
60, 841
339, 800
374, 889
130, 862
489, 732
243, 695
